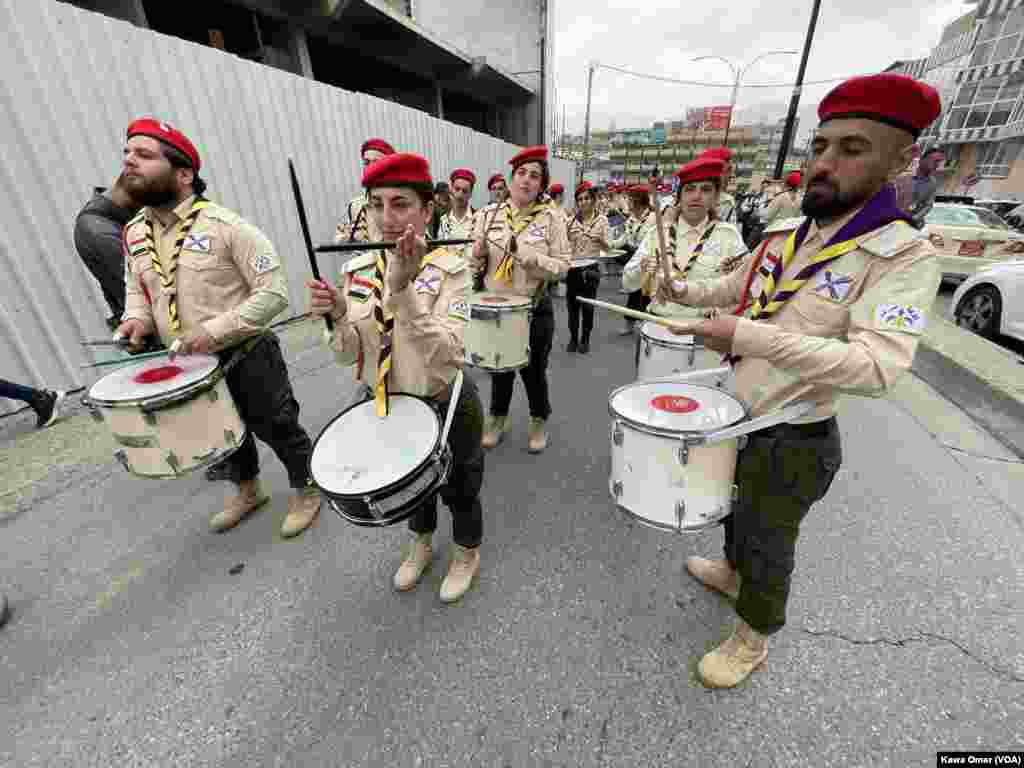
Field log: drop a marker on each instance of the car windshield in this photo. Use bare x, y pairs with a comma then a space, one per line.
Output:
962, 216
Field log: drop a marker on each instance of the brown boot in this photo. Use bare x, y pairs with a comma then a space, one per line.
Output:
494, 432
416, 562
250, 497
715, 574
464, 566
302, 511
732, 662
538, 439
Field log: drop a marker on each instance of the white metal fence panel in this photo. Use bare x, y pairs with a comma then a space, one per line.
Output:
72, 82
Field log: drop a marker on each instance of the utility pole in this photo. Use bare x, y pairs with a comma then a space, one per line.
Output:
794, 102
586, 121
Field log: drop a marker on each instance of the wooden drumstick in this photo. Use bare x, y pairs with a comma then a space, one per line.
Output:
666, 259
683, 326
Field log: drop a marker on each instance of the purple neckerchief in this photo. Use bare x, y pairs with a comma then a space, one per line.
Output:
876, 213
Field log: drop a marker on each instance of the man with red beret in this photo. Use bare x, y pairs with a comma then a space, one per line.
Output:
400, 319
835, 305
498, 189
786, 204
700, 246
638, 226
521, 247
588, 235
725, 208
457, 223
359, 226
210, 282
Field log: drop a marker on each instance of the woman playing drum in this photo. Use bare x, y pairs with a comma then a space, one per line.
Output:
400, 318
588, 234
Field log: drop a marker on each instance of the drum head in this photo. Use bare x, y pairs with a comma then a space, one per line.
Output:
499, 301
674, 406
665, 335
151, 378
360, 453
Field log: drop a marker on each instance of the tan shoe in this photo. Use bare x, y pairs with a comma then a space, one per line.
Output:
463, 567
250, 497
538, 439
494, 432
732, 662
416, 562
302, 511
715, 574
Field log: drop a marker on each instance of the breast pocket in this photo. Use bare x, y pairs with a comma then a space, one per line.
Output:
821, 313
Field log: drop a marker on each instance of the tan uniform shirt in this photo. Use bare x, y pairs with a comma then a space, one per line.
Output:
726, 207
430, 320
360, 225
723, 246
229, 280
635, 230
784, 206
453, 228
587, 237
852, 328
543, 250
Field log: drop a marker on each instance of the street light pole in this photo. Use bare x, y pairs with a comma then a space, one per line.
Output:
586, 121
794, 102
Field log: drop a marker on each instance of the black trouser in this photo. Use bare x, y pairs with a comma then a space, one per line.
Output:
461, 492
534, 375
581, 282
781, 472
109, 273
636, 300
261, 389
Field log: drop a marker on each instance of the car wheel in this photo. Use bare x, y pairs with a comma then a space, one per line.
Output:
979, 311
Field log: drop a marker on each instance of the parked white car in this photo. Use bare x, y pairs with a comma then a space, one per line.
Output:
968, 238
991, 302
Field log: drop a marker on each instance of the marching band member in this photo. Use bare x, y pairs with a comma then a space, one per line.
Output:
588, 235
786, 204
700, 245
497, 188
639, 225
521, 246
840, 304
359, 227
400, 319
457, 223
203, 277
557, 194
725, 207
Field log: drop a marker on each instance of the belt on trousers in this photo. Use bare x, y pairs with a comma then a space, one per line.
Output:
798, 431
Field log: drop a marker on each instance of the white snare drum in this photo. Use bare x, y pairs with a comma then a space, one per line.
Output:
498, 334
661, 353
377, 471
166, 418
674, 449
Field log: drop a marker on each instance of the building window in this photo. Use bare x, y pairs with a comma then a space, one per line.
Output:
990, 103
1000, 39
996, 158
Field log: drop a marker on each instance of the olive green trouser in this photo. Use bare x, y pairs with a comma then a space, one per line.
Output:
780, 474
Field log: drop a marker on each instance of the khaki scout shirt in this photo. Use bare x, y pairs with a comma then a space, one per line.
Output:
724, 245
635, 231
852, 328
430, 320
229, 279
586, 236
783, 206
453, 228
726, 207
360, 225
543, 250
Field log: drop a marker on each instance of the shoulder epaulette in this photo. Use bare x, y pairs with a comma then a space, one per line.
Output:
445, 259
359, 262
783, 225
891, 239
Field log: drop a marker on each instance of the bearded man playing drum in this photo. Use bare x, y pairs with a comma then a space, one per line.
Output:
205, 279
424, 300
522, 246
839, 305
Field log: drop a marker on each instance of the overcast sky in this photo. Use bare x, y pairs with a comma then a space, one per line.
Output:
662, 37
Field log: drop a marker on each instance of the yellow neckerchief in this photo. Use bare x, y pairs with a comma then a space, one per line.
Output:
168, 272
517, 222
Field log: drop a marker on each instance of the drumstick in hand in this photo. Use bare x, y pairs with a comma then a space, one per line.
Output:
666, 259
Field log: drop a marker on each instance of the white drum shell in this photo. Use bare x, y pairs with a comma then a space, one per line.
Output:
660, 358
497, 337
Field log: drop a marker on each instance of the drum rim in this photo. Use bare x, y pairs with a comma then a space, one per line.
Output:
670, 528
402, 481
673, 433
590, 261
209, 381
526, 304
671, 344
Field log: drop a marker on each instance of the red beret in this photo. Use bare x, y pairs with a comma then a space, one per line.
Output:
584, 186
896, 100
494, 179
377, 145
639, 189
701, 169
155, 129
556, 189
793, 179
718, 153
463, 173
538, 154
397, 170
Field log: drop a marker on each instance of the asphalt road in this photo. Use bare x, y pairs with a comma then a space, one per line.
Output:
136, 640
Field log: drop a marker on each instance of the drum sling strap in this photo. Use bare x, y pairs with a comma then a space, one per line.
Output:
168, 272
385, 327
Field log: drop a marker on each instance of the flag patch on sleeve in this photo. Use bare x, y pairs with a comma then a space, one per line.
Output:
360, 288
900, 317
262, 262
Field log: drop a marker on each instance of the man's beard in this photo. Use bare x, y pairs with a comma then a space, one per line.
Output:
153, 193
819, 203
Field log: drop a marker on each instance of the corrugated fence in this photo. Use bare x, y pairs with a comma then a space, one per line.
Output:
73, 80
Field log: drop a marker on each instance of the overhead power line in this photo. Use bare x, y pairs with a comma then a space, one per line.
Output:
718, 85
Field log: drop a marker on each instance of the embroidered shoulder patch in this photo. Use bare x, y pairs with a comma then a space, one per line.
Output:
360, 288
537, 230
833, 285
199, 242
891, 239
901, 317
262, 262
429, 281
459, 308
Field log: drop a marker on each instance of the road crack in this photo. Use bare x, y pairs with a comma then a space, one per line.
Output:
921, 637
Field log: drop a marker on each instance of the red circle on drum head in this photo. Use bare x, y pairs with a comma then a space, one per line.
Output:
154, 375
675, 404
494, 300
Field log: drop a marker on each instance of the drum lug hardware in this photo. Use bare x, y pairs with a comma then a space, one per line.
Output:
680, 514
93, 410
373, 507
476, 358
172, 462
149, 417
229, 437
617, 489
122, 457
683, 453
741, 442
693, 355
735, 494
497, 359
647, 348
618, 435
213, 394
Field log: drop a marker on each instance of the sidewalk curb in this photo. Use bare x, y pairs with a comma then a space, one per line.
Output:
994, 410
